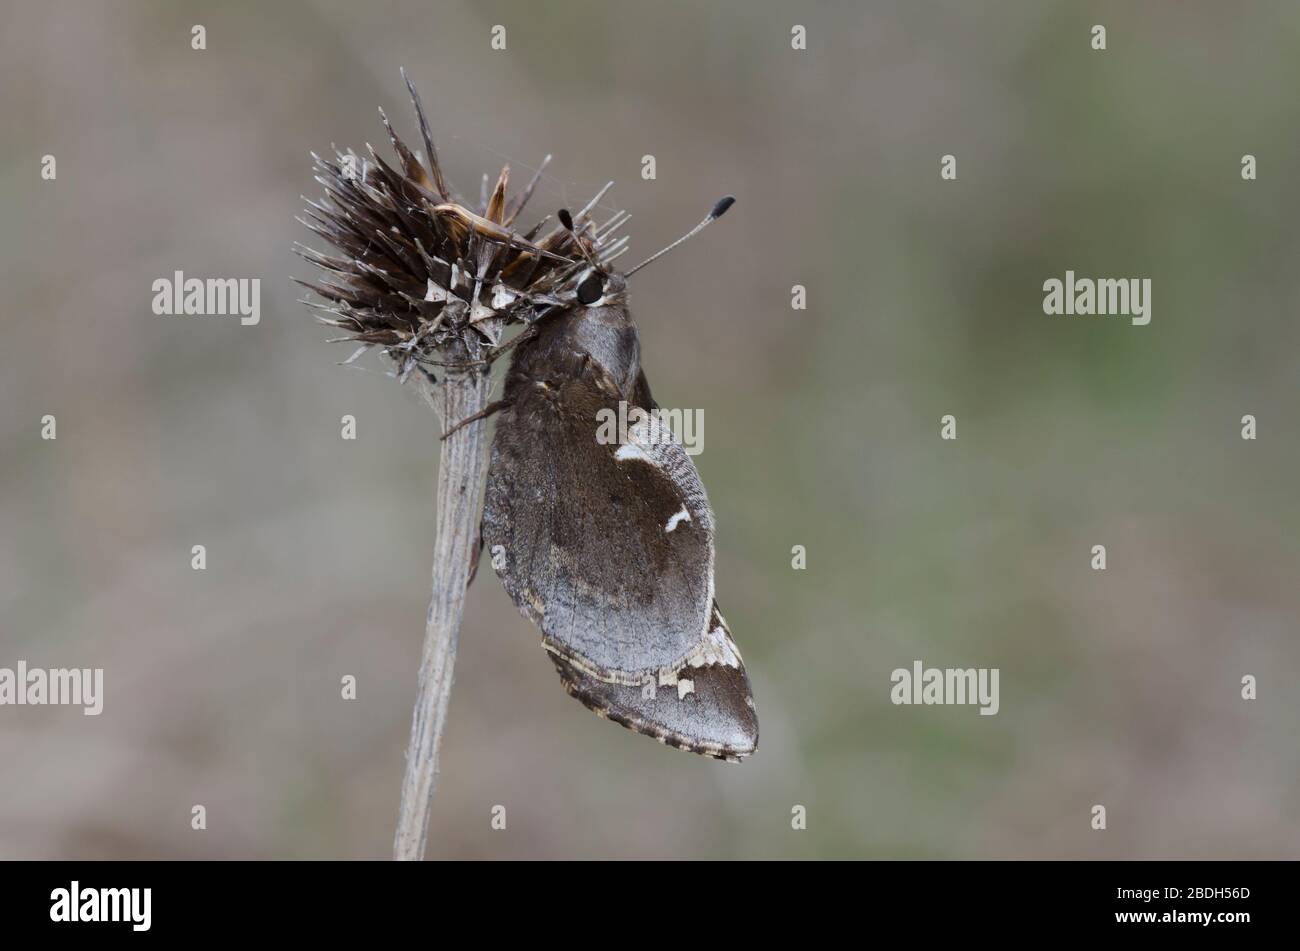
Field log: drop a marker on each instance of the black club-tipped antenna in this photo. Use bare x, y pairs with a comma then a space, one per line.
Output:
718, 211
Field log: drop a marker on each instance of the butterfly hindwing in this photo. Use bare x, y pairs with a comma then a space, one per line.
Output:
706, 706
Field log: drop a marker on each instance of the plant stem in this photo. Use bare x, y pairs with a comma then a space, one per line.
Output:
462, 471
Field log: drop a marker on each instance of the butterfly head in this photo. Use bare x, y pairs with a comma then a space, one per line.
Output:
600, 288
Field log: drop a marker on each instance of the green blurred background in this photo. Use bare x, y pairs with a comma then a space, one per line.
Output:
1119, 687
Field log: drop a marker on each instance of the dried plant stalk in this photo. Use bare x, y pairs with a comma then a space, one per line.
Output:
434, 284
462, 470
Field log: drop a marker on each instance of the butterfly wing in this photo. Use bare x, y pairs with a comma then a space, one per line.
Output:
704, 707
608, 547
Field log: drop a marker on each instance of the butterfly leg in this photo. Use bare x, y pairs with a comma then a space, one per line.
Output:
495, 354
478, 555
484, 413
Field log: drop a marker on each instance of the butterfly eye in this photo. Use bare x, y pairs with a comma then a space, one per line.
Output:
591, 288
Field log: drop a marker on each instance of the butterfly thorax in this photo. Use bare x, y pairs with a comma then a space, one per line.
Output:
598, 344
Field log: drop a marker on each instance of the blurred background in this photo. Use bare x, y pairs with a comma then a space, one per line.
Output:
1119, 687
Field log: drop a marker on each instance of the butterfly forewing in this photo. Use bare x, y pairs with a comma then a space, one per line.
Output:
607, 543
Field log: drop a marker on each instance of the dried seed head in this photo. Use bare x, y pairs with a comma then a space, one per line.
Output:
418, 274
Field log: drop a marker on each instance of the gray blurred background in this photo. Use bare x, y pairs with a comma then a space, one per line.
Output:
1119, 687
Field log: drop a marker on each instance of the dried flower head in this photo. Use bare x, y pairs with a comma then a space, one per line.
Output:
419, 274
